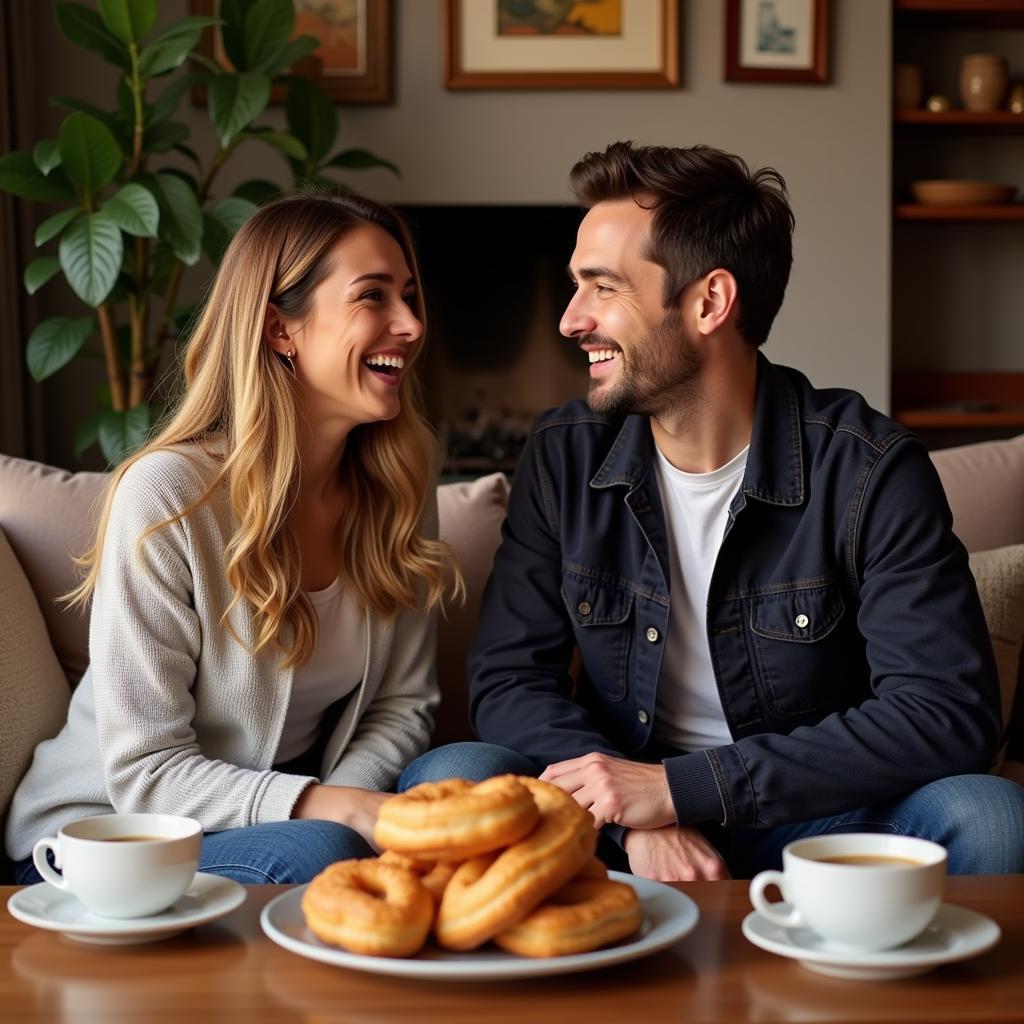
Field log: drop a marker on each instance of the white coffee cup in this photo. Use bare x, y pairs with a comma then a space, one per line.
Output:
884, 896
123, 865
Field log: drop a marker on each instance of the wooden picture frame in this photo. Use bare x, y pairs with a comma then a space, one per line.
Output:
368, 80
777, 41
492, 46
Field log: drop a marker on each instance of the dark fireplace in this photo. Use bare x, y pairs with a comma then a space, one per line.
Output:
496, 287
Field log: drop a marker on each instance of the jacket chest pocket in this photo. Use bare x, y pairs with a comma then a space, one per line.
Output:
799, 648
601, 617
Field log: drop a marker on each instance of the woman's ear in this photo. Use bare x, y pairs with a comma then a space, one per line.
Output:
275, 332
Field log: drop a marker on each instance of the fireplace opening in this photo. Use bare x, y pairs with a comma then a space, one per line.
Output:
495, 286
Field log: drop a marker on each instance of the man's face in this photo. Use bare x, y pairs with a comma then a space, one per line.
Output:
641, 359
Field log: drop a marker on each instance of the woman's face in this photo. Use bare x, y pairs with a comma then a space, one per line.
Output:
358, 340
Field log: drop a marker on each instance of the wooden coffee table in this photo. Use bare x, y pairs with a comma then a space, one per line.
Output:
229, 971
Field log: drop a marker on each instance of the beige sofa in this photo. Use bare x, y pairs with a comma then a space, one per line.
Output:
46, 513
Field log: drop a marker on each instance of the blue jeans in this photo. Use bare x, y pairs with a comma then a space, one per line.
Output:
978, 818
278, 852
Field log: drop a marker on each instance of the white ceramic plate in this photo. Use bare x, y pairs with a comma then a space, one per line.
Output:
956, 933
45, 906
668, 916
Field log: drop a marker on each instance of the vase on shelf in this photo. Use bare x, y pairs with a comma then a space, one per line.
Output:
984, 78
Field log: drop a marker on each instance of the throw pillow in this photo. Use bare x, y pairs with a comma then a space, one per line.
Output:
470, 514
49, 515
34, 691
999, 575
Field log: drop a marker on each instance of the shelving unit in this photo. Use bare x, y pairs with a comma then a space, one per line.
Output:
952, 403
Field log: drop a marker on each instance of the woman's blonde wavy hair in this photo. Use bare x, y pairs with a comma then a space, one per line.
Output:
239, 401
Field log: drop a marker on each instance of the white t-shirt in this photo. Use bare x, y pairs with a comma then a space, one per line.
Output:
688, 711
335, 669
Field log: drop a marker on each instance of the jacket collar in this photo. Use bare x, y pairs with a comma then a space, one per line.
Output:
775, 464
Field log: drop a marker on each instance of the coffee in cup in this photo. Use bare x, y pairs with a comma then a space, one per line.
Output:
859, 891
123, 865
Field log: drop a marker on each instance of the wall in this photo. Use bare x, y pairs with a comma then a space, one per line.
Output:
831, 143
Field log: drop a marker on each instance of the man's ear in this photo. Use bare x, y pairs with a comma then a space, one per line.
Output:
717, 299
275, 331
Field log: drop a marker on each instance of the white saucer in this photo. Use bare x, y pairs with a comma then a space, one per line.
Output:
956, 933
46, 906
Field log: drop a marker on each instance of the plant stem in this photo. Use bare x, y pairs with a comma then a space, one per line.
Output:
140, 125
115, 372
138, 306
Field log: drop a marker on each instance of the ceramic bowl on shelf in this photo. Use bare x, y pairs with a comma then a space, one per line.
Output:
959, 192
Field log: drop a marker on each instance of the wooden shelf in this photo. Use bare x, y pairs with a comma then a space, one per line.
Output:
949, 416
964, 399
919, 211
958, 121
959, 13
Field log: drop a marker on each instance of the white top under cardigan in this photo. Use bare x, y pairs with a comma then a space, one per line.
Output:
173, 714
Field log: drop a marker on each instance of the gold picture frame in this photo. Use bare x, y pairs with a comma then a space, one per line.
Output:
501, 44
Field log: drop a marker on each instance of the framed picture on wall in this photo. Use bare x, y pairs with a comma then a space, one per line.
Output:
553, 44
777, 41
352, 64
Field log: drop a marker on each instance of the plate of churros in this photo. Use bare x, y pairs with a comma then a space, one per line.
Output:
484, 881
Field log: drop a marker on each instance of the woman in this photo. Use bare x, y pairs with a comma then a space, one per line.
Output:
266, 569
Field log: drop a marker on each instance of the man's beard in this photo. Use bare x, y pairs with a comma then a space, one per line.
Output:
660, 375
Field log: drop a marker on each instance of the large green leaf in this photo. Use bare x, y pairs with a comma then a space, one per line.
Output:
129, 20
88, 151
91, 251
287, 144
170, 48
236, 101
312, 118
181, 219
71, 103
360, 159
54, 343
20, 176
134, 209
39, 271
121, 433
258, 191
161, 138
46, 155
55, 225
86, 28
87, 433
233, 212
167, 102
233, 30
215, 238
296, 50
268, 27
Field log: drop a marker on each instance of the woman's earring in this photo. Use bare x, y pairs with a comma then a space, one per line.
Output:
290, 360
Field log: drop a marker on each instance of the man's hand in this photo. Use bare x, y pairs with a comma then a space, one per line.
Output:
673, 854
616, 791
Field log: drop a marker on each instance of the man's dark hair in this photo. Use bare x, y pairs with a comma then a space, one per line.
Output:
709, 212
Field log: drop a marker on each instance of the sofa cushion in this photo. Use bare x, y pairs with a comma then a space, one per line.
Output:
49, 516
471, 514
1000, 578
984, 484
34, 691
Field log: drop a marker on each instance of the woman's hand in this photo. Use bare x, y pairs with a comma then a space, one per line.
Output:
346, 805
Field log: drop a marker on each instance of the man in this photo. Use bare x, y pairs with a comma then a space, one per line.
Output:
778, 632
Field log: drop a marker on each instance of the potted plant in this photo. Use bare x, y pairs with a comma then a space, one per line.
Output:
136, 204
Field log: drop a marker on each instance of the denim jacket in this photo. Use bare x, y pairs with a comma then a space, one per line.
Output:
848, 644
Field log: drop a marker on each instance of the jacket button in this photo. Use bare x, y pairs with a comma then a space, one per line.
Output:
584, 608
802, 621
643, 717
652, 634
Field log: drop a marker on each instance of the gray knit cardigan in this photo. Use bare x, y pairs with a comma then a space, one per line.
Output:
173, 715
